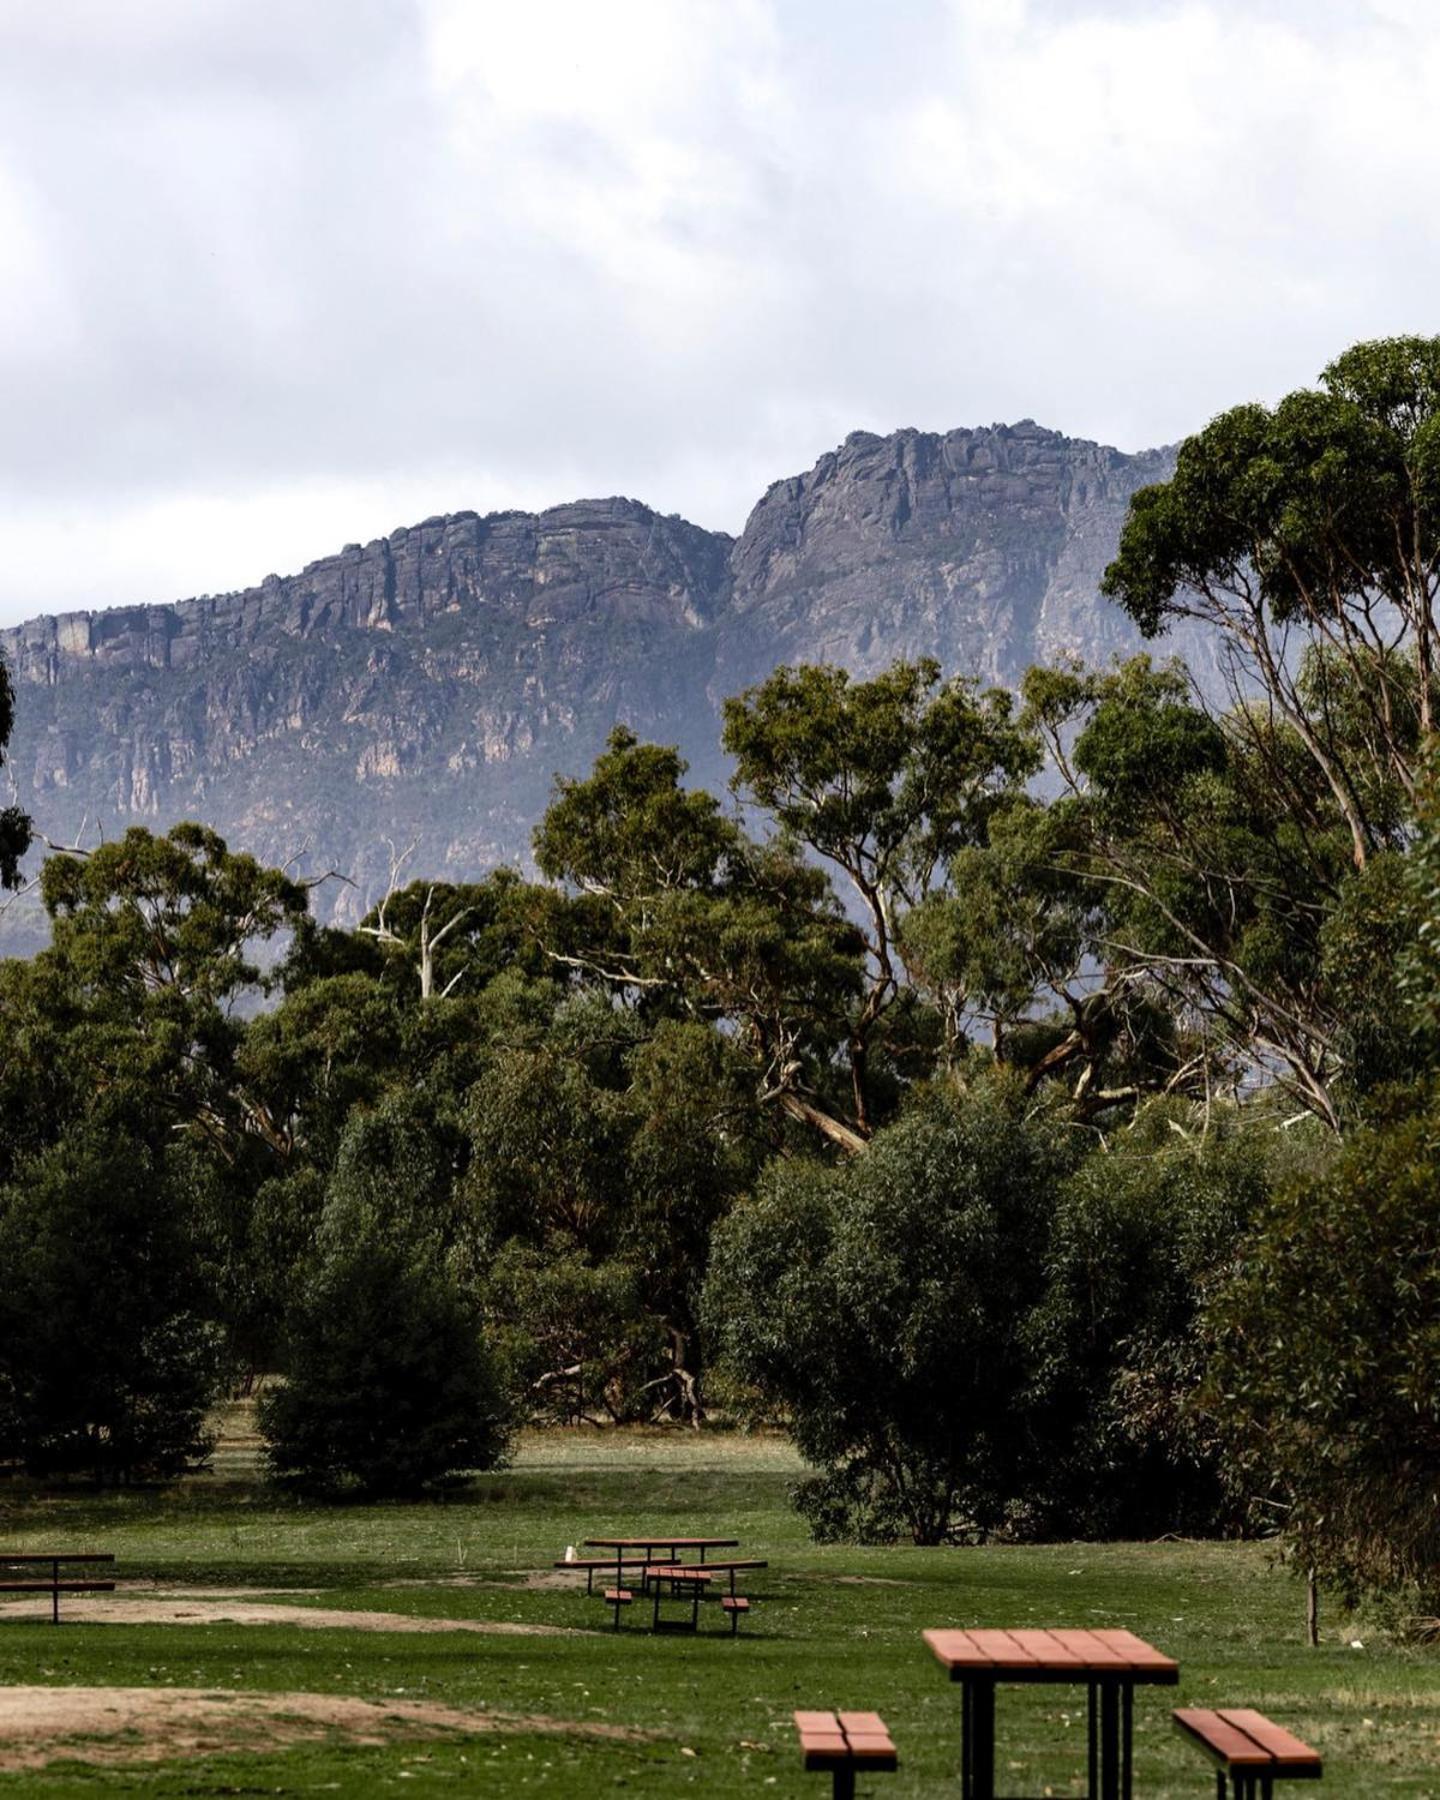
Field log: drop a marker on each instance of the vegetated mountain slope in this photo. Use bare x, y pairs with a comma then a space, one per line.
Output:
425, 688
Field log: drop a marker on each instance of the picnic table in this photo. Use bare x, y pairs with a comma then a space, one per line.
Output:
1111, 1664
54, 1586
645, 1548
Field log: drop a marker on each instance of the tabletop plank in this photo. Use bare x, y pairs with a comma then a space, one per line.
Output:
662, 1543
1059, 1652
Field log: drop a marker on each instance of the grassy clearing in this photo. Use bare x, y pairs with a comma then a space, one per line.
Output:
831, 1626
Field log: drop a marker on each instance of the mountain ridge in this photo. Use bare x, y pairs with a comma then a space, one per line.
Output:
428, 685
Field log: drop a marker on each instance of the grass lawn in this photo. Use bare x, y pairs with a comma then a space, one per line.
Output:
830, 1627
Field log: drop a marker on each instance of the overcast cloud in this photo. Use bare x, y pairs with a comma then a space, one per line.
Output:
279, 274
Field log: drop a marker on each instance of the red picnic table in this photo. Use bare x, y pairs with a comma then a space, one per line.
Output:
647, 1546
1111, 1664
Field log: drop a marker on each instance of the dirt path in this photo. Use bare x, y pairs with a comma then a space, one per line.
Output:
157, 1609
40, 1725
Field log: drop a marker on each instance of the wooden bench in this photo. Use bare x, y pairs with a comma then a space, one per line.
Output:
54, 1586
1245, 1745
592, 1565
735, 1605
615, 1598
841, 1744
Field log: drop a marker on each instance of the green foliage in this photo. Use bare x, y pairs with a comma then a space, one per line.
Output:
986, 1327
600, 1157
107, 1363
390, 1386
1316, 520
882, 1305
678, 911
885, 780
1144, 1230
1221, 878
1326, 1380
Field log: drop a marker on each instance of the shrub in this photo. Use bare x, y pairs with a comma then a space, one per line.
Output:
391, 1388
106, 1365
1326, 1380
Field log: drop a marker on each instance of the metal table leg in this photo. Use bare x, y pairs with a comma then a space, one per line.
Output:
977, 1757
1109, 1741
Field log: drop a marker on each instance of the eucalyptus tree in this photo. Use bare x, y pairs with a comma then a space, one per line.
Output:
672, 907
1220, 869
1315, 522
885, 781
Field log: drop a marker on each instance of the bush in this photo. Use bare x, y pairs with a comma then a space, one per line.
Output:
391, 1389
979, 1329
1326, 1380
883, 1303
106, 1366
1144, 1231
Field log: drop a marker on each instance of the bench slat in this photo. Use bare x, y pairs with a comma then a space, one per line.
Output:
1226, 1742
1283, 1745
833, 1741
598, 1562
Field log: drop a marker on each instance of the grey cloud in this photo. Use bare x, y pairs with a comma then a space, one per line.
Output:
262, 258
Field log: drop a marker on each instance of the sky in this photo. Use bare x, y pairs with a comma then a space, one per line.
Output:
278, 275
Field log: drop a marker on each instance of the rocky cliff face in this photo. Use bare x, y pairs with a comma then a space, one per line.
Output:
983, 549
425, 688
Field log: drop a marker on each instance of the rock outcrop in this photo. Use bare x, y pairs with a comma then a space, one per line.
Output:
426, 688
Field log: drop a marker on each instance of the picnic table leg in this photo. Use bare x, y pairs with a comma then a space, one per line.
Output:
1092, 1720
1109, 1741
1127, 1738
844, 1788
977, 1753
55, 1593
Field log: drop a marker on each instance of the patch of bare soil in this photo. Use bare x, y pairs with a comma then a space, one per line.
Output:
212, 1593
134, 1609
536, 1581
40, 1725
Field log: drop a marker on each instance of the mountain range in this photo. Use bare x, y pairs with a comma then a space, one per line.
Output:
426, 688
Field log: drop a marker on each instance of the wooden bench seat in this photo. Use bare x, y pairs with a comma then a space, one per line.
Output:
594, 1565
842, 1744
735, 1605
1251, 1749
615, 1598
